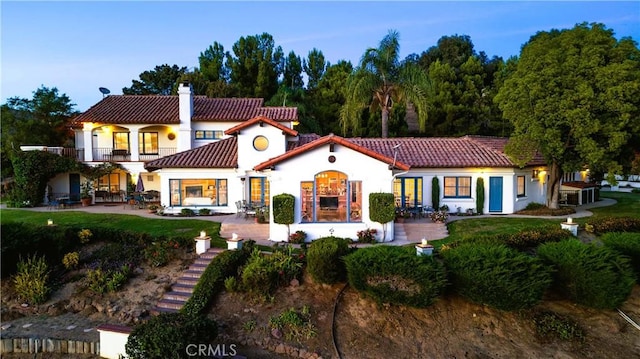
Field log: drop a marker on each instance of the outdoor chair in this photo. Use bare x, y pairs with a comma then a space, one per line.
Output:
241, 209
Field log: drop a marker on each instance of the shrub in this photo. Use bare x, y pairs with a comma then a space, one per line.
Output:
627, 244
597, 277
439, 216
204, 212
367, 235
85, 236
263, 274
382, 210
70, 260
100, 281
435, 193
187, 212
614, 224
167, 336
231, 284
534, 237
157, 254
480, 195
550, 325
391, 274
212, 279
296, 325
496, 275
283, 209
324, 259
31, 280
298, 237
534, 205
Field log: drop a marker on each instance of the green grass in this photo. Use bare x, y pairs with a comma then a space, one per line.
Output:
628, 205
161, 226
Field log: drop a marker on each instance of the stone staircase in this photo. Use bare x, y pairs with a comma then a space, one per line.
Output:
245, 230
182, 289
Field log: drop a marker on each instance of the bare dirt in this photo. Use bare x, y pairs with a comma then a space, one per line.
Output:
452, 328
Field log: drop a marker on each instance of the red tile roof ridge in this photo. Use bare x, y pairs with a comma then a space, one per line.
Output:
259, 119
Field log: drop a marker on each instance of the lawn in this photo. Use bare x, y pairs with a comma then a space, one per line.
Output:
152, 226
628, 205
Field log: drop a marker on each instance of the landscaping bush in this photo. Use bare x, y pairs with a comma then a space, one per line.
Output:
71, 260
532, 206
187, 212
534, 237
263, 274
298, 237
296, 325
324, 259
597, 277
392, 274
204, 212
211, 282
613, 224
496, 275
31, 280
168, 335
627, 244
367, 235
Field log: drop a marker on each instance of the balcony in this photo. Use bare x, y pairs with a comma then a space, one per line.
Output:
102, 154
77, 153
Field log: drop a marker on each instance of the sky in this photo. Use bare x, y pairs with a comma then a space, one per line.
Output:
79, 46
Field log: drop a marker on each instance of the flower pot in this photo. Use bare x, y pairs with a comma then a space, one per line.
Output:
85, 201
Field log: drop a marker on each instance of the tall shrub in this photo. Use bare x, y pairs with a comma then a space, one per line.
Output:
496, 275
168, 335
435, 193
324, 260
627, 244
480, 195
392, 274
283, 210
382, 210
597, 277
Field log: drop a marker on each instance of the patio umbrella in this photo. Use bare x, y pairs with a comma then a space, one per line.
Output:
140, 184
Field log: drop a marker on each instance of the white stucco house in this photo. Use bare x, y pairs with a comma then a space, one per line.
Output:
200, 152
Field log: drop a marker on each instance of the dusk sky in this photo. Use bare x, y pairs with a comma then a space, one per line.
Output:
81, 46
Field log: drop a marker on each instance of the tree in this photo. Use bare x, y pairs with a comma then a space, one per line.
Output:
256, 66
292, 76
159, 81
41, 120
327, 98
212, 64
574, 97
314, 66
381, 80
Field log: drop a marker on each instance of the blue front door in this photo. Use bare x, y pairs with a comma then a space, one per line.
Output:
74, 186
495, 194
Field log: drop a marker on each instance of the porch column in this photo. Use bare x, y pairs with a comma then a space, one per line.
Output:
135, 149
87, 137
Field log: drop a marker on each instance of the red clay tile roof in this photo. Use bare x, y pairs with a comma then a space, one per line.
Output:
220, 154
303, 138
498, 144
155, 109
579, 184
326, 140
260, 120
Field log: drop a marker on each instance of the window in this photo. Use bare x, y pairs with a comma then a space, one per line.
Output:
209, 135
148, 143
457, 187
260, 143
109, 183
408, 191
521, 186
331, 198
198, 192
121, 141
259, 191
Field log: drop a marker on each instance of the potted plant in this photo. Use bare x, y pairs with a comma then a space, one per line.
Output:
153, 208
85, 193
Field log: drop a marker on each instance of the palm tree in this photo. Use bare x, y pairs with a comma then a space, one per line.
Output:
381, 80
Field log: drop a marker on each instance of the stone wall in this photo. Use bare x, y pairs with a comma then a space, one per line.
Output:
46, 345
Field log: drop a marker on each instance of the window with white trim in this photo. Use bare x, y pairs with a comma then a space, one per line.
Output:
521, 185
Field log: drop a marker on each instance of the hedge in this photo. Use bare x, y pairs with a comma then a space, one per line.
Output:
496, 275
627, 244
613, 224
211, 282
392, 274
168, 335
597, 277
523, 240
324, 259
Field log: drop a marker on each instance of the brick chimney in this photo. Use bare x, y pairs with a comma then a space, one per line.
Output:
185, 96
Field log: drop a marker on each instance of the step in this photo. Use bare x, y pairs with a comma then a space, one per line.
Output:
198, 267
203, 261
182, 288
158, 310
187, 280
170, 304
192, 273
177, 296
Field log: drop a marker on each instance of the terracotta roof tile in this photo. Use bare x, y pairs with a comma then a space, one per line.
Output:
326, 140
156, 109
303, 138
220, 154
259, 120
578, 184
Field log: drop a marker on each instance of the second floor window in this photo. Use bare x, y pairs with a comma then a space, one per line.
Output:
208, 135
121, 141
148, 143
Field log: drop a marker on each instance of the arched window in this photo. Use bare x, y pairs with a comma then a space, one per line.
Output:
331, 197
